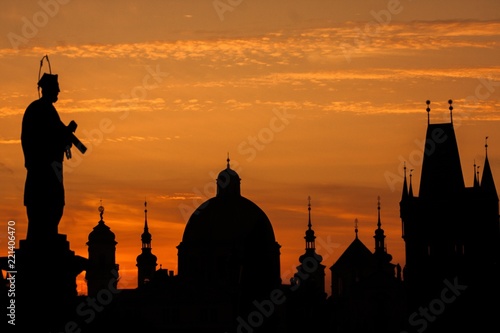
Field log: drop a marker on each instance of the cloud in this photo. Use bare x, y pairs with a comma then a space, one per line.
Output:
360, 39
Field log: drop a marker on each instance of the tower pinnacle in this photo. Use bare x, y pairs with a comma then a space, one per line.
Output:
428, 109
451, 109
356, 227
310, 237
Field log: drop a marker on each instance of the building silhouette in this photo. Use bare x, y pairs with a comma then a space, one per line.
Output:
367, 290
229, 279
228, 256
101, 265
146, 261
452, 237
306, 297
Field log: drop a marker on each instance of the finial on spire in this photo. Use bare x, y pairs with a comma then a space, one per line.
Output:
146, 212
428, 102
486, 145
451, 109
410, 191
476, 175
309, 209
228, 160
356, 227
101, 209
378, 208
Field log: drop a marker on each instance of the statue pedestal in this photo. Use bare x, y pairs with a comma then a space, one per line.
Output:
46, 293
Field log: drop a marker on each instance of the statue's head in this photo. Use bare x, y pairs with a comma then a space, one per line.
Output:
50, 86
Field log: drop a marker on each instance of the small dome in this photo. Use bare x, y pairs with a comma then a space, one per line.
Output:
228, 182
310, 235
146, 259
101, 234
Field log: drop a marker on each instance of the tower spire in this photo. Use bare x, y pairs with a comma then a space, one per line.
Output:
356, 227
428, 109
145, 215
146, 236
380, 248
146, 261
451, 110
487, 182
405, 184
410, 191
378, 209
379, 233
310, 237
476, 175
309, 209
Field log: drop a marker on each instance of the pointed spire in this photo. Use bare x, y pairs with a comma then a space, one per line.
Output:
379, 232
145, 215
410, 191
356, 227
487, 182
310, 237
378, 209
228, 160
146, 236
309, 210
405, 184
476, 175
451, 110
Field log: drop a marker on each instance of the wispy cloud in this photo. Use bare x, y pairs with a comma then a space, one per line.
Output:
285, 48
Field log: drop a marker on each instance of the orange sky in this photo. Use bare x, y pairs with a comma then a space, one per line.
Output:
319, 98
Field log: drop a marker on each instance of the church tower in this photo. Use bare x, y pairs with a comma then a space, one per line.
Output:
102, 270
385, 268
451, 232
310, 274
146, 261
307, 290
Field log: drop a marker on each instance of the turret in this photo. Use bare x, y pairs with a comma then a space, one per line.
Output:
102, 270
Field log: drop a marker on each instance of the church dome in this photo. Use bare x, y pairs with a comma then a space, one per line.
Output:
235, 219
101, 234
228, 217
229, 242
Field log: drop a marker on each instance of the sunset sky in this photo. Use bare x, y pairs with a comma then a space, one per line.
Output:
309, 98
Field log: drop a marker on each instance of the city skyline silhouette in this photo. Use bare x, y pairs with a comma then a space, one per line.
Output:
321, 99
229, 278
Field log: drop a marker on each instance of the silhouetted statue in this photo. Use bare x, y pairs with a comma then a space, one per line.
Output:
45, 139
